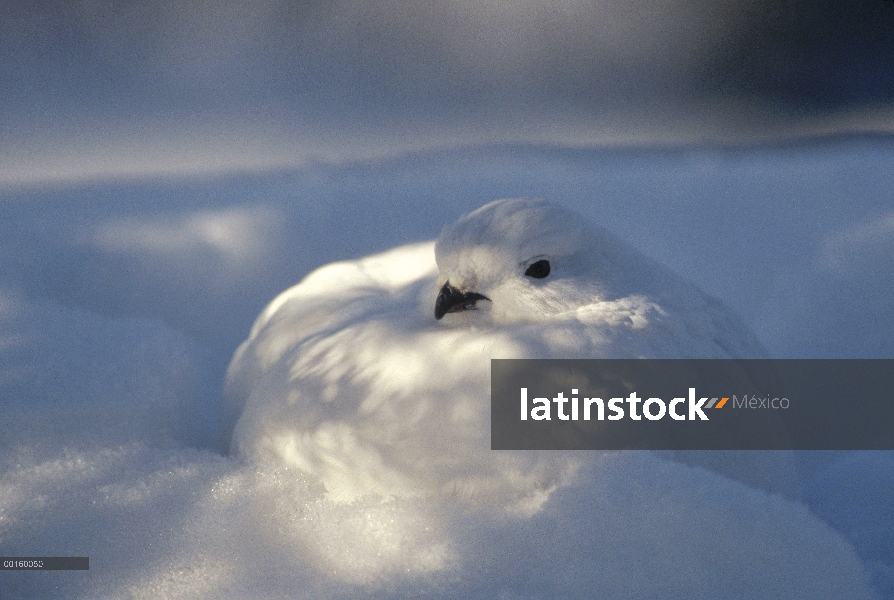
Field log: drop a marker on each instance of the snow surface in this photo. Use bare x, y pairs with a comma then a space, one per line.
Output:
121, 304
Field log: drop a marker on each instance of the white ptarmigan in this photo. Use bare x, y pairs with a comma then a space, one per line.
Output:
373, 374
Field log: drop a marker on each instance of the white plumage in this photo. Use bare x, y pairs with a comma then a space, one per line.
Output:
350, 376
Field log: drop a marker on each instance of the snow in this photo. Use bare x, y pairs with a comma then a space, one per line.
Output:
122, 302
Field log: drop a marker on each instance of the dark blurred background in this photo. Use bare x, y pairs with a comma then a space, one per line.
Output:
100, 88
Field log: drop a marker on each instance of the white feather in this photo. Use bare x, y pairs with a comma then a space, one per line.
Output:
349, 376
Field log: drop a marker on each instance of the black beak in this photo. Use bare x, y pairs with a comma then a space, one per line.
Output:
451, 300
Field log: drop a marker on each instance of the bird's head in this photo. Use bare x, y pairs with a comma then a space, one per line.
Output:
518, 260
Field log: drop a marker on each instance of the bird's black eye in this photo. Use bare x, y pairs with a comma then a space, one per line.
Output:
538, 270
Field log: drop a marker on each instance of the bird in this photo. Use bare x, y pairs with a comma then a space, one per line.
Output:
373, 374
